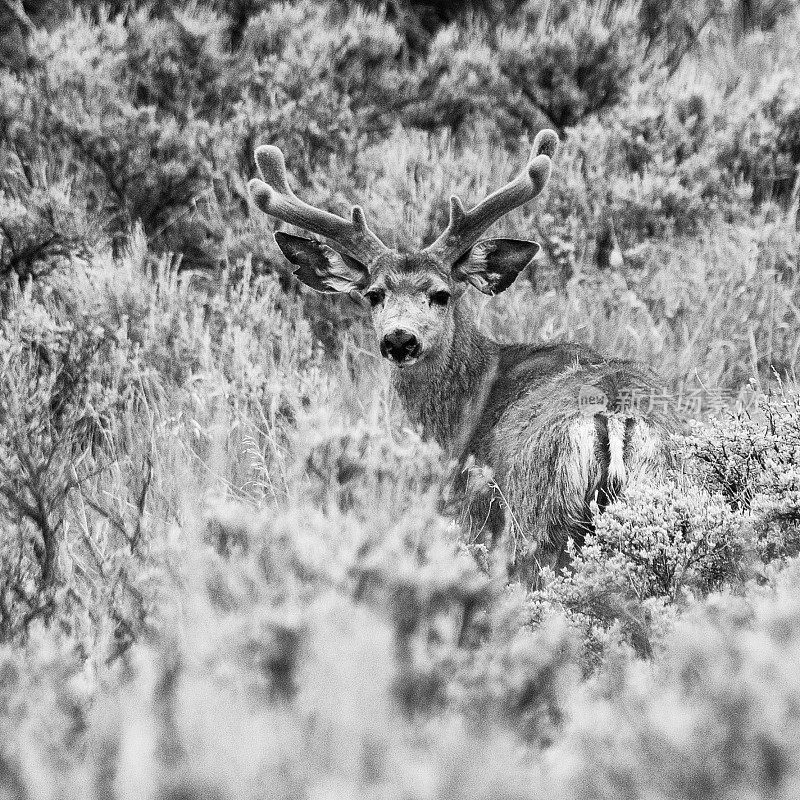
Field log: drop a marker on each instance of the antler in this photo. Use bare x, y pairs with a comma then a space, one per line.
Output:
466, 227
273, 196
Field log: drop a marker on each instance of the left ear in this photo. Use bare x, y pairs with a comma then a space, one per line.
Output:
492, 265
321, 267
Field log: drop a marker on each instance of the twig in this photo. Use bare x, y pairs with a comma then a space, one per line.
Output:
142, 499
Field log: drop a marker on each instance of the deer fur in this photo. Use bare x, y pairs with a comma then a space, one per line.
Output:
513, 408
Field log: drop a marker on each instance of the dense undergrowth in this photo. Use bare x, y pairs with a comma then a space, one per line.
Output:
227, 567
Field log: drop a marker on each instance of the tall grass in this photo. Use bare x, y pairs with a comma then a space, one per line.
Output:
256, 583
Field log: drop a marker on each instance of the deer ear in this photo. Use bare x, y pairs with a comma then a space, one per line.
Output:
321, 267
492, 265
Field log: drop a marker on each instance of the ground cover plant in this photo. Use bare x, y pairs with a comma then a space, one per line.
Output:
228, 567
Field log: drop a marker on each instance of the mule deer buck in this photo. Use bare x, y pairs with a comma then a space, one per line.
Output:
516, 409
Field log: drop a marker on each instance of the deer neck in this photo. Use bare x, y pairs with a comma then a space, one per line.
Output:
445, 393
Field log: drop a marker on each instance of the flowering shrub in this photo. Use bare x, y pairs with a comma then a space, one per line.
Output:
658, 546
673, 539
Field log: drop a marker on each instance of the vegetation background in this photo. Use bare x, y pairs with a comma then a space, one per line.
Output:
226, 567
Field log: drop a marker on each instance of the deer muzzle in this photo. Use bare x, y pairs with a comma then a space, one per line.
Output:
400, 346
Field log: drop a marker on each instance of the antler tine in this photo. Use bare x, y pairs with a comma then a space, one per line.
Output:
466, 227
274, 197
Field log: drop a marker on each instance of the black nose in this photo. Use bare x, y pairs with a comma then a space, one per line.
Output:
400, 346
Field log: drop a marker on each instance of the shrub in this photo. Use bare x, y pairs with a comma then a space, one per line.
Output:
41, 232
180, 65
658, 545
743, 455
710, 719
550, 67
753, 460
64, 389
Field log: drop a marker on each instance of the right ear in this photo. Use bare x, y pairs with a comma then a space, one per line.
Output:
321, 267
492, 265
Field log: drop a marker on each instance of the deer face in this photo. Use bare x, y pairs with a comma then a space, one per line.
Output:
412, 296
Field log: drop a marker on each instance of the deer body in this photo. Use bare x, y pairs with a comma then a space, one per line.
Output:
514, 409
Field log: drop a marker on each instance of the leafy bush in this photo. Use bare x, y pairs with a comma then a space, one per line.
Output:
659, 545
710, 719
553, 66
754, 461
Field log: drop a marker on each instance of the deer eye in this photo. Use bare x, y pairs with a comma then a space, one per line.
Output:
375, 296
440, 298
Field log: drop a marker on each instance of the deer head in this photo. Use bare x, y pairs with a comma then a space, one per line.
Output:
412, 295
